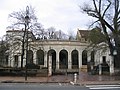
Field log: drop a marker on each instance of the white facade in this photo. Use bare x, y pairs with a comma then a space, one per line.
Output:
66, 54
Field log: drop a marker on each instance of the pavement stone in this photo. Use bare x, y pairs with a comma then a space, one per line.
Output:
82, 79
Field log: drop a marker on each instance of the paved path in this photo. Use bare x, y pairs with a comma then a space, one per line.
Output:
83, 78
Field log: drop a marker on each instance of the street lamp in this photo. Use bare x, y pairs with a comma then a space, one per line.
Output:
26, 31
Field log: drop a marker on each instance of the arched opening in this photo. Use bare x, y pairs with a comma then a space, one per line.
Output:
74, 56
40, 57
53, 53
63, 57
84, 57
30, 57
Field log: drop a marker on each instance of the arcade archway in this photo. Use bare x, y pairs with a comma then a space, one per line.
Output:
30, 57
53, 53
63, 57
74, 56
40, 57
84, 57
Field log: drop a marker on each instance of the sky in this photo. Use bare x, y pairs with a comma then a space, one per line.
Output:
64, 15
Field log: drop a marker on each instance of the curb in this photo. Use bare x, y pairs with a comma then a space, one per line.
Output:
67, 82
11, 81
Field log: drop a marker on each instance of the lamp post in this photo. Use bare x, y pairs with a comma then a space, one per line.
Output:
26, 31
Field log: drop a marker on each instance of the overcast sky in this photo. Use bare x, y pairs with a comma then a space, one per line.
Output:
64, 15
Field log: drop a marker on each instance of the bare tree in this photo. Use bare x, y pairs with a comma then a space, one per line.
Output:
51, 33
3, 50
71, 35
24, 20
17, 18
107, 13
38, 31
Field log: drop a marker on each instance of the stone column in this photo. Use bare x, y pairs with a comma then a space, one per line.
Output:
8, 61
57, 60
11, 62
80, 59
35, 57
69, 60
89, 56
100, 69
19, 61
45, 59
24, 62
50, 65
24, 58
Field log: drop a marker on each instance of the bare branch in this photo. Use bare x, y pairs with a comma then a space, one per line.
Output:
107, 8
100, 6
93, 23
95, 6
19, 17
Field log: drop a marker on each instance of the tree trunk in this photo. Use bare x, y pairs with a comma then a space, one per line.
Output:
118, 59
22, 55
23, 44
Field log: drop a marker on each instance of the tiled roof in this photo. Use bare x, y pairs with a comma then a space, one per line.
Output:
84, 33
